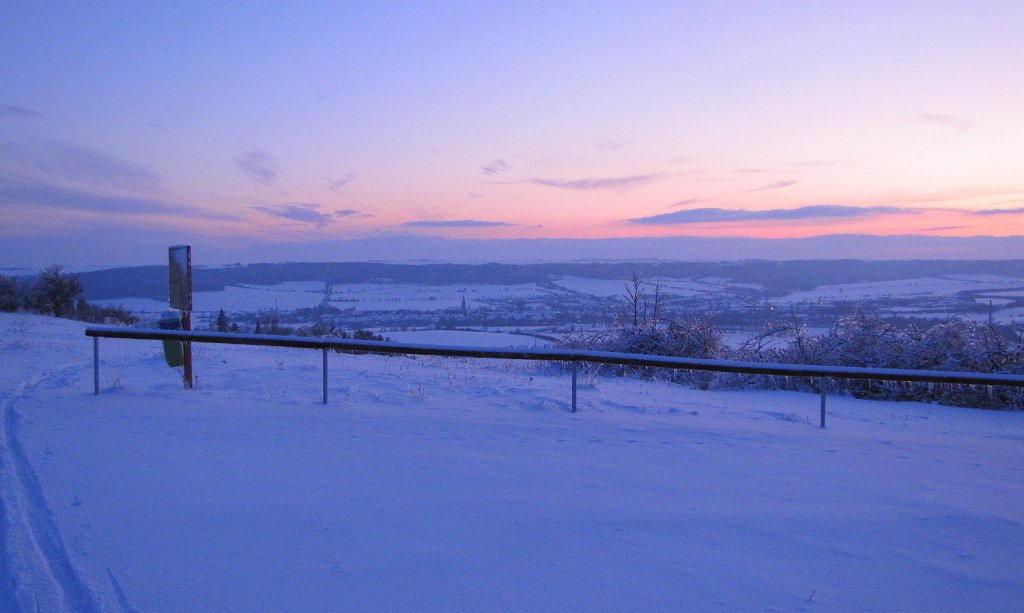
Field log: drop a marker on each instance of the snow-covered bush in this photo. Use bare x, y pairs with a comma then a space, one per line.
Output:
859, 340
864, 341
640, 329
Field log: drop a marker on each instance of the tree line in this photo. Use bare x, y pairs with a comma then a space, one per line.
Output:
57, 293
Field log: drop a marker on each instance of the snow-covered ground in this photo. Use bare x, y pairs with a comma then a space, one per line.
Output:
934, 287
618, 287
360, 296
459, 485
932, 297
471, 338
421, 297
235, 298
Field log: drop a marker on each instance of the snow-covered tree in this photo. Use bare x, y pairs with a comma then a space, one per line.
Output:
55, 292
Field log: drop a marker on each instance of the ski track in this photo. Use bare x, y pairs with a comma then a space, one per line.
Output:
25, 501
7, 584
122, 600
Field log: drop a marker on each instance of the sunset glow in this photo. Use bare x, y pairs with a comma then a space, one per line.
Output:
274, 124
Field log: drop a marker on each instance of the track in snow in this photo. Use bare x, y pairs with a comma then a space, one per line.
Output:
28, 520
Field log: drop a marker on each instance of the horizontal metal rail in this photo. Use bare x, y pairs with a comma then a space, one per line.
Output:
563, 355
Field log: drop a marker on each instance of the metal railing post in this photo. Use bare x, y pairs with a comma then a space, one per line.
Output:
96, 365
575, 367
822, 404
325, 374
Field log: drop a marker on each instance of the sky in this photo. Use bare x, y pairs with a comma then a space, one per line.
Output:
255, 129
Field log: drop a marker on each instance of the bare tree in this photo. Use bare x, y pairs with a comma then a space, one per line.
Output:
657, 305
636, 300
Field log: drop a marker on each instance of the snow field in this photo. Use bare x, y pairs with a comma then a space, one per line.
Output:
471, 338
450, 484
679, 287
934, 287
294, 295
287, 296
420, 297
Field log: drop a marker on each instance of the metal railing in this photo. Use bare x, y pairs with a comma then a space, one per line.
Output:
575, 357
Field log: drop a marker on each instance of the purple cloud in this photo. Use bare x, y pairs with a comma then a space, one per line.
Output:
497, 166
950, 121
335, 185
458, 223
258, 166
54, 197
342, 213
302, 212
1016, 211
688, 202
775, 185
715, 215
594, 184
19, 112
55, 161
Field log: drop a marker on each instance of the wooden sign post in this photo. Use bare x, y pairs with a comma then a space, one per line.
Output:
179, 275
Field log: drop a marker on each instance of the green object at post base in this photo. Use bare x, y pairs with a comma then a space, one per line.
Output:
174, 353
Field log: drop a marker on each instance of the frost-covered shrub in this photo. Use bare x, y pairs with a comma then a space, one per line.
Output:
587, 340
864, 341
858, 341
692, 337
88, 312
